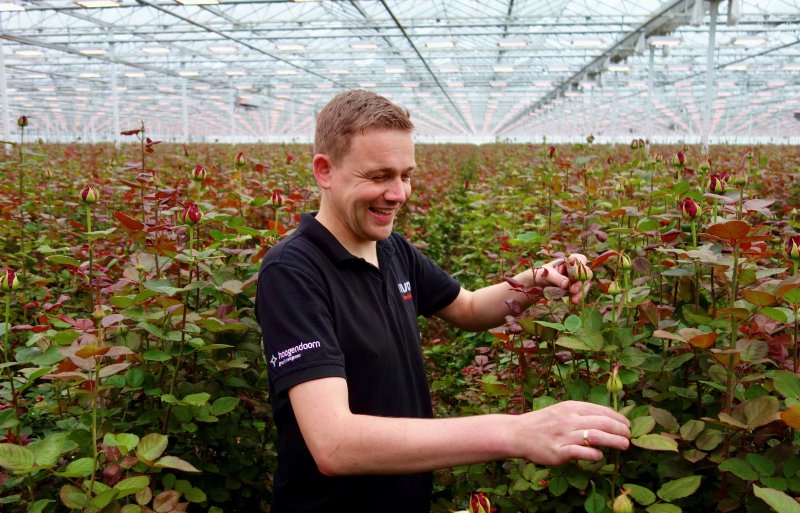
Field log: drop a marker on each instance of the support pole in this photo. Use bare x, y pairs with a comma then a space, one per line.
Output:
233, 114
184, 111
651, 86
4, 94
710, 65
115, 103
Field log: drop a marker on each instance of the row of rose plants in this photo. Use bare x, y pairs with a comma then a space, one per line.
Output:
133, 378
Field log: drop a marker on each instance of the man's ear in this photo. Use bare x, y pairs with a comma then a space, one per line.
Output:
323, 168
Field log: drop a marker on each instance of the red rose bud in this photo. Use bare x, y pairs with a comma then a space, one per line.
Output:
590, 138
551, 152
89, 195
277, 199
191, 213
479, 503
716, 183
289, 158
240, 159
689, 208
9, 280
199, 173
679, 159
466, 184
793, 247
22, 121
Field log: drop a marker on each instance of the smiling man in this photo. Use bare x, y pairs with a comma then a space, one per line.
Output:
338, 302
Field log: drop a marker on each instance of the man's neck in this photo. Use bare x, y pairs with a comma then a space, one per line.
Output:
368, 250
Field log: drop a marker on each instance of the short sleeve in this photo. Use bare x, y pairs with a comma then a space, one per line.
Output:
436, 289
295, 316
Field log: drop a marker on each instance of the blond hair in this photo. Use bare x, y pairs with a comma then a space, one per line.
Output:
351, 113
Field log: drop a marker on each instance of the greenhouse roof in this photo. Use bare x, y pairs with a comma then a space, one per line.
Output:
466, 70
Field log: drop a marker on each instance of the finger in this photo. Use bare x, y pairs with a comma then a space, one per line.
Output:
600, 438
579, 290
555, 277
575, 257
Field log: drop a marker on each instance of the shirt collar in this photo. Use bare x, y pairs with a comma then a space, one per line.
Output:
330, 245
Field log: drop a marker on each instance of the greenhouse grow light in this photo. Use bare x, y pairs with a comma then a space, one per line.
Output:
198, 2
29, 53
440, 44
291, 48
619, 68
660, 41
750, 41
512, 44
10, 6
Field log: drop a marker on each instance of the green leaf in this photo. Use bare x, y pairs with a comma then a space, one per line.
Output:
134, 377
663, 507
777, 500
63, 259
81, 467
675, 362
195, 495
787, 384
224, 405
176, 463
760, 411
38, 506
162, 286
775, 314
572, 343
65, 337
740, 468
665, 419
48, 450
640, 494
763, 465
555, 325
72, 497
692, 429
595, 502
778, 483
104, 498
196, 399
679, 488
131, 485
558, 486
131, 508
573, 323
125, 442
156, 355
655, 442
151, 446
16, 457
642, 425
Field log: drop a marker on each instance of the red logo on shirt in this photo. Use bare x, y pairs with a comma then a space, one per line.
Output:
405, 290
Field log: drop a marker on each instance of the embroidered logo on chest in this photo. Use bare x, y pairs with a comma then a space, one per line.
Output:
405, 290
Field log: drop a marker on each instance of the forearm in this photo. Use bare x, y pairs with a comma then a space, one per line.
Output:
380, 445
488, 306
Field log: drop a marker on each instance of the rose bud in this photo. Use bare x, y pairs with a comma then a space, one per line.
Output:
199, 173
622, 504
466, 184
614, 384
191, 213
704, 165
89, 195
277, 199
579, 272
689, 208
551, 152
635, 144
614, 288
793, 247
716, 183
590, 138
679, 159
240, 161
9, 280
479, 503
22, 121
624, 261
289, 158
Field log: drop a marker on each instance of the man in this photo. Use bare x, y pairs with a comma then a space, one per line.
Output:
338, 302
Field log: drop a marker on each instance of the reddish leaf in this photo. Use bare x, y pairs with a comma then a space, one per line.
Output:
730, 230
128, 222
758, 297
704, 341
791, 416
602, 258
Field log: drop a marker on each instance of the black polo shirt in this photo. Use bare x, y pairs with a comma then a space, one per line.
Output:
326, 313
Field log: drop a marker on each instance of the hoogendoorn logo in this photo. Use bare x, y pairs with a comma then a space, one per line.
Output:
293, 353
